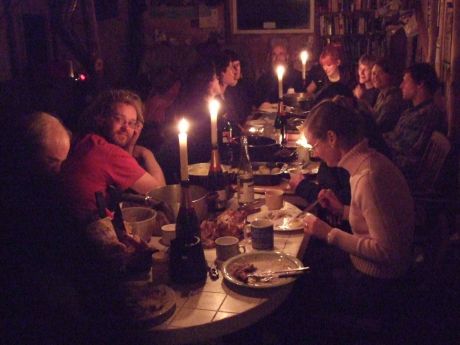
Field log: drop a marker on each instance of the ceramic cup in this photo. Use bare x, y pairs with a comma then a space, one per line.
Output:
262, 234
168, 233
141, 220
227, 247
274, 199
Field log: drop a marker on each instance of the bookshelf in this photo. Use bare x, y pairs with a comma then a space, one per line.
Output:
354, 24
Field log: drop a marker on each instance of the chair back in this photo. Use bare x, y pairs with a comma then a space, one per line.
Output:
433, 160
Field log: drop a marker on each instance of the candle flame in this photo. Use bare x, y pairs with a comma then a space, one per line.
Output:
214, 106
302, 141
280, 69
304, 57
183, 126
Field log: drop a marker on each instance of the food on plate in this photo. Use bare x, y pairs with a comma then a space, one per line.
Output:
295, 223
277, 214
228, 223
266, 170
145, 301
242, 270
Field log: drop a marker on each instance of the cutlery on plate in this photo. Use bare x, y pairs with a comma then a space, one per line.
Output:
279, 274
308, 209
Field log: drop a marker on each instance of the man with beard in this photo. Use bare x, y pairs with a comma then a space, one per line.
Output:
106, 154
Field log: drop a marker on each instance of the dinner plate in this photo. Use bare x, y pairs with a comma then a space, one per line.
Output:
264, 261
283, 219
149, 304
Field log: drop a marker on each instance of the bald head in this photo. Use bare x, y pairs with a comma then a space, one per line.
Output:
49, 142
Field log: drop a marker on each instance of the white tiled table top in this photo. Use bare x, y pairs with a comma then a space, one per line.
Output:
218, 308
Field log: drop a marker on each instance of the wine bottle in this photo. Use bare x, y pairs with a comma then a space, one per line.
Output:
280, 123
245, 178
187, 264
187, 225
217, 183
227, 136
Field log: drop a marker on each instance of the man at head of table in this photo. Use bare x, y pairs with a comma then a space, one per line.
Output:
267, 84
106, 154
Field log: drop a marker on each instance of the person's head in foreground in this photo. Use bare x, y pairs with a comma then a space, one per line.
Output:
47, 143
332, 130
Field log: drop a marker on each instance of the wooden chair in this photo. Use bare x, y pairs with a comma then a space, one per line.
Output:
432, 162
431, 206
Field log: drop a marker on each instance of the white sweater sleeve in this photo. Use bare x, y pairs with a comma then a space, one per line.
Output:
375, 218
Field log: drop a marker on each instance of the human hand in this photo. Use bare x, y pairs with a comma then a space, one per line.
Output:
316, 227
136, 134
358, 91
328, 200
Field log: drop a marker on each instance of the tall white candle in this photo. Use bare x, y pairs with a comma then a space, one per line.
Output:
214, 106
183, 128
280, 72
304, 59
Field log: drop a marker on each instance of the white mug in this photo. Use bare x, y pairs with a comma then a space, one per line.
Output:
274, 199
227, 247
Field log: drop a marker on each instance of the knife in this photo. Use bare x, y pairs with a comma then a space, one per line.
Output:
285, 273
308, 209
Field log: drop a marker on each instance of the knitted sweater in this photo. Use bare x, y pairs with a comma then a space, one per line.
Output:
381, 215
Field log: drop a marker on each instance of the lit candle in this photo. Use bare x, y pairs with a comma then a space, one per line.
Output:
304, 59
214, 106
183, 128
302, 148
280, 72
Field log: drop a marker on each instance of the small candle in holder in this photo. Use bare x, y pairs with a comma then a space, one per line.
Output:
183, 128
280, 69
214, 106
304, 59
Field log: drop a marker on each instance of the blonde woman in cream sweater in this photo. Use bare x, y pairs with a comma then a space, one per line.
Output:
381, 213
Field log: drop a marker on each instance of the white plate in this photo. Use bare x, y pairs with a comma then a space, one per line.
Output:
264, 261
149, 304
283, 219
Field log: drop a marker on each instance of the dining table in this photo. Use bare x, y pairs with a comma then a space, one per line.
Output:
219, 306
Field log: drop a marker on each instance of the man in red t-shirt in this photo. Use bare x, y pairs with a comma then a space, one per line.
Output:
107, 154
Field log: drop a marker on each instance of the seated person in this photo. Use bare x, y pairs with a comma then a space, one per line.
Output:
163, 92
335, 178
409, 138
240, 96
106, 154
37, 255
389, 104
334, 79
267, 84
365, 90
199, 87
381, 216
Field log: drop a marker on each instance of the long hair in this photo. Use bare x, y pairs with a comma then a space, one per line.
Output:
103, 105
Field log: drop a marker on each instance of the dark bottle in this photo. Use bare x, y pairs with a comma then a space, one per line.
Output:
217, 184
280, 123
227, 137
187, 264
245, 177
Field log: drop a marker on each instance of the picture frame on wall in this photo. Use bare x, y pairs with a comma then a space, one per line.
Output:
272, 16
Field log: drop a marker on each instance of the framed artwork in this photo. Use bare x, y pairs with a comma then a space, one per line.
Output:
272, 16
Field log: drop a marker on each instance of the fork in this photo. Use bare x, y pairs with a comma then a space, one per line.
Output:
308, 209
